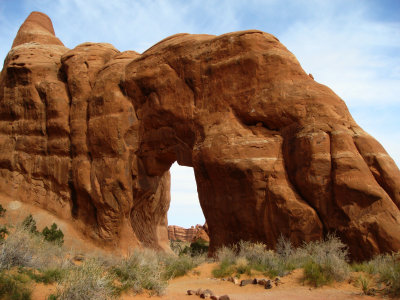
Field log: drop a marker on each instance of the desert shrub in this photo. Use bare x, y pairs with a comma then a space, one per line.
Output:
47, 276
387, 267
3, 232
2, 211
364, 282
199, 247
53, 234
86, 282
325, 261
242, 266
141, 270
12, 288
23, 249
178, 266
264, 260
29, 224
178, 246
227, 258
316, 274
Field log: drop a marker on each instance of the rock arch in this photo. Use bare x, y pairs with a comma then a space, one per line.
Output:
90, 134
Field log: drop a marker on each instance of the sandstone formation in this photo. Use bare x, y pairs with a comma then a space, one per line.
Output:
90, 134
191, 234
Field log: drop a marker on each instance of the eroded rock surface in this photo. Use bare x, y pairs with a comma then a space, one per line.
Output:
90, 134
191, 234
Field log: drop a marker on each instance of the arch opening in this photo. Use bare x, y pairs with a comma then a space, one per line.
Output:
185, 210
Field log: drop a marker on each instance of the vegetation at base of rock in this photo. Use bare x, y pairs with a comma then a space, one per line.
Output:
47, 276
27, 258
196, 248
2, 211
323, 261
29, 224
387, 268
149, 270
53, 234
141, 270
181, 265
13, 287
88, 281
3, 232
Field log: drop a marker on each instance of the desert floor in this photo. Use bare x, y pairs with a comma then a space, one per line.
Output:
291, 286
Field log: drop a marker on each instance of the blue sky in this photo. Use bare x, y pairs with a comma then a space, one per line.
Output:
351, 46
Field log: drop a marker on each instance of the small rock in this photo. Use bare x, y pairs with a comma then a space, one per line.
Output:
199, 292
246, 282
79, 257
191, 292
262, 281
224, 297
255, 281
268, 285
214, 297
277, 281
234, 280
206, 294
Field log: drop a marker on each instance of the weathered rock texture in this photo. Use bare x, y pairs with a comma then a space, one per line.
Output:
90, 134
191, 234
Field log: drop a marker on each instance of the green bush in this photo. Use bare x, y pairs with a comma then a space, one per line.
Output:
47, 276
29, 224
316, 274
179, 266
199, 247
2, 211
11, 288
224, 269
3, 232
53, 234
328, 257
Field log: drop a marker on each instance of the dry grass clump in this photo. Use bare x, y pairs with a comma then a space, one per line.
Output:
387, 267
176, 266
14, 287
23, 249
141, 270
323, 261
88, 281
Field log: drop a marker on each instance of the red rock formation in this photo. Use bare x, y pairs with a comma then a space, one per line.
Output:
191, 234
90, 134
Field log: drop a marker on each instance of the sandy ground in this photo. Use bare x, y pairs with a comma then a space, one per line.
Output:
290, 288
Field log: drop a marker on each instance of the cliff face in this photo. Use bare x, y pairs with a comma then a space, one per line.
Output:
90, 134
191, 234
